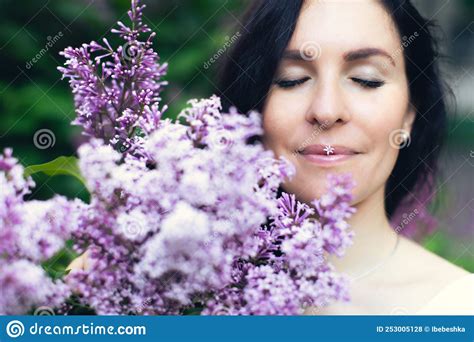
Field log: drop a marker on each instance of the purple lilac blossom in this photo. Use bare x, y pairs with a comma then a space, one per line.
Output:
30, 232
116, 92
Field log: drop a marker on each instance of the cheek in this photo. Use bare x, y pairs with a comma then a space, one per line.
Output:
382, 117
280, 123
379, 121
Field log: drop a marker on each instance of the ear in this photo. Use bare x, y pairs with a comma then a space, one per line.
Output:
409, 118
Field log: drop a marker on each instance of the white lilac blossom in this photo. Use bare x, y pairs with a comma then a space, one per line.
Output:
30, 232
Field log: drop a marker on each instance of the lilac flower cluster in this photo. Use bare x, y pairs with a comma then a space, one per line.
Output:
289, 271
30, 232
117, 91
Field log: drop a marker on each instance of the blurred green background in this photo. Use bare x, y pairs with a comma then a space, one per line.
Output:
189, 33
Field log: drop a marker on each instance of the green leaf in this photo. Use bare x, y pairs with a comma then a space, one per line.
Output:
56, 266
59, 166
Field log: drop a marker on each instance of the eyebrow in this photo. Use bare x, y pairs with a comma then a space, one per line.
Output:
366, 53
350, 56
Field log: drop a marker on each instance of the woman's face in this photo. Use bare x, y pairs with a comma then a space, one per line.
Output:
341, 83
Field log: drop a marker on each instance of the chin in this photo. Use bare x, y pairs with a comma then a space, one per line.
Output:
306, 191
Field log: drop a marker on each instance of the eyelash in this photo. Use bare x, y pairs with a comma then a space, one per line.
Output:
368, 83
285, 84
291, 83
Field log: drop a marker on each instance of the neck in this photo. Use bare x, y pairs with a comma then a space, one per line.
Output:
374, 238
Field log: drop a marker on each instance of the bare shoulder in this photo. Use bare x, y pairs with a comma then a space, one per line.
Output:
416, 275
428, 264
448, 287
455, 299
415, 281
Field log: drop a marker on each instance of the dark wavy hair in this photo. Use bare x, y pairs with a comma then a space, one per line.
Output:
247, 73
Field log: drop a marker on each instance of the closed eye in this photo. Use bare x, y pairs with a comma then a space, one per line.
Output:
290, 83
368, 83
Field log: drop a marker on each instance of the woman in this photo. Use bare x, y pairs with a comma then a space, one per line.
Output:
353, 86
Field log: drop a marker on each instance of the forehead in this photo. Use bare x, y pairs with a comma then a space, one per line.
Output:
344, 25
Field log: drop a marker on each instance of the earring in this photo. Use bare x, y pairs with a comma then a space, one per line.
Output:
405, 136
405, 139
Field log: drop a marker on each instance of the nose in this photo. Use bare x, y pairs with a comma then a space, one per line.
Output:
327, 106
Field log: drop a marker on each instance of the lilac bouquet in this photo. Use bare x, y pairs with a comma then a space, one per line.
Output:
190, 226
185, 216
